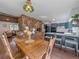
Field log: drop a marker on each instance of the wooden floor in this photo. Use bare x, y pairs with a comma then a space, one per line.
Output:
63, 54
56, 54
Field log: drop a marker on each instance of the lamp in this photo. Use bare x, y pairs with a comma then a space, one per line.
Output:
28, 6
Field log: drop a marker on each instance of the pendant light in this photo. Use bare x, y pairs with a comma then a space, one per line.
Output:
28, 6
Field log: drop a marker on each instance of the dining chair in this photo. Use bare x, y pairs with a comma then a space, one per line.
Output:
71, 43
50, 47
59, 40
7, 46
14, 53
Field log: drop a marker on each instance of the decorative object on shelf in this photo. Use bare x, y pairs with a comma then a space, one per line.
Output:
28, 6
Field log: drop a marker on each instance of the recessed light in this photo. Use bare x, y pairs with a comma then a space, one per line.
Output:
7, 19
53, 19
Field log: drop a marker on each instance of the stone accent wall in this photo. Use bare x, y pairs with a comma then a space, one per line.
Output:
30, 22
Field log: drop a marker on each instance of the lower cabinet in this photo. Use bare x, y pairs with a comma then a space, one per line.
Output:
62, 41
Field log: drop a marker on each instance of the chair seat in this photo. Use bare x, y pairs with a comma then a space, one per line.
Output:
59, 39
17, 54
47, 37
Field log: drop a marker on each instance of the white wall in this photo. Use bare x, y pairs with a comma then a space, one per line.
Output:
65, 16
75, 11
4, 26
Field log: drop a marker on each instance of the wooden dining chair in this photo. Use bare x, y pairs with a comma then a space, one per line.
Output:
50, 48
13, 52
7, 46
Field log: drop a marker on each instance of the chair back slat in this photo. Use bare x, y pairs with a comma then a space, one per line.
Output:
50, 48
7, 45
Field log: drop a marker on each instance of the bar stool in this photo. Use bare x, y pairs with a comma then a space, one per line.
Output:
71, 41
59, 41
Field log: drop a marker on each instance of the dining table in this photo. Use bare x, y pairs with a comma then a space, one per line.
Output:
34, 48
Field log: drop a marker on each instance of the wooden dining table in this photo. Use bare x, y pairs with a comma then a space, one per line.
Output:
35, 49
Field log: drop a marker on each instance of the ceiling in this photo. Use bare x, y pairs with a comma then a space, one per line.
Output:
43, 9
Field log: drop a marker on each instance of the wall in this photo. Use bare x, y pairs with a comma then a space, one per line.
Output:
4, 26
64, 17
75, 11
30, 22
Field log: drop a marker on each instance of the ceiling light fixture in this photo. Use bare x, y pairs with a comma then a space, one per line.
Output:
28, 6
53, 19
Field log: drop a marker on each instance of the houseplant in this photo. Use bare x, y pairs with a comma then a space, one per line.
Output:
75, 18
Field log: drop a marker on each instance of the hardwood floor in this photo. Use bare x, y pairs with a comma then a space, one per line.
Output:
63, 54
56, 54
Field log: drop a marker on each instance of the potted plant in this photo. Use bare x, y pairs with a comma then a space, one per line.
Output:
75, 18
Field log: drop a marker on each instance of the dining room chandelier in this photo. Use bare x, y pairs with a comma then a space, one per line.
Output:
28, 6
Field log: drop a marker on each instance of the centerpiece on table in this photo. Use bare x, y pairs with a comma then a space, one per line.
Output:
29, 34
